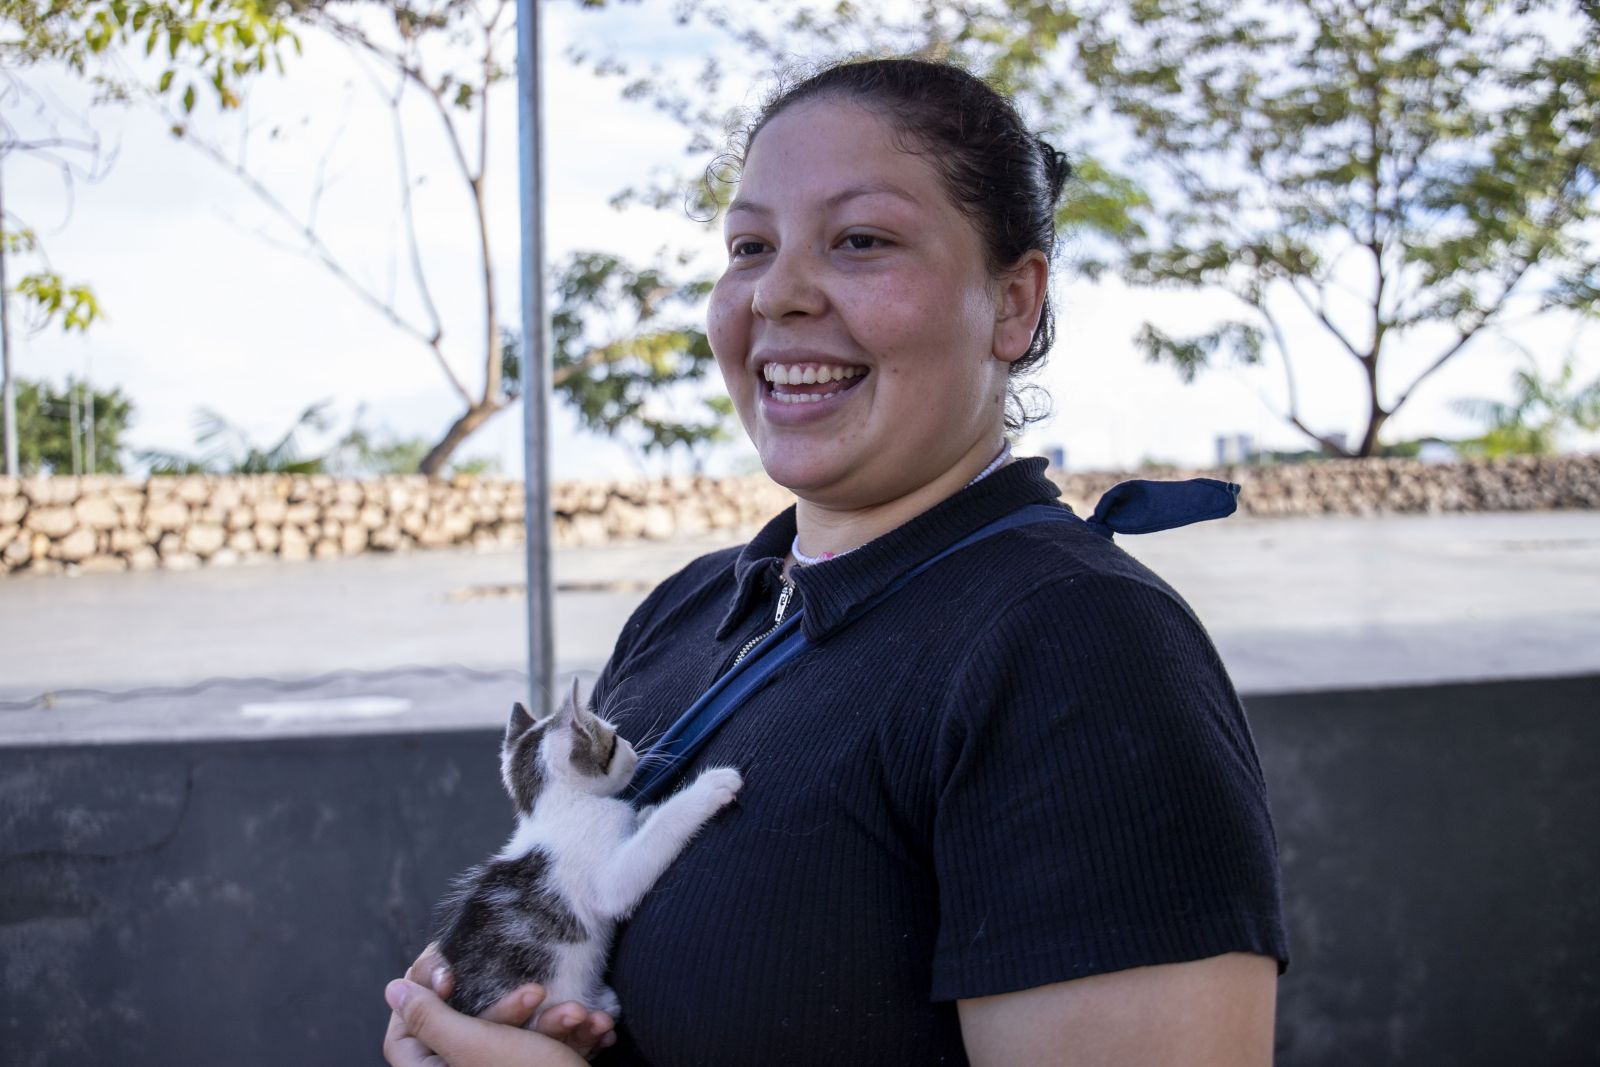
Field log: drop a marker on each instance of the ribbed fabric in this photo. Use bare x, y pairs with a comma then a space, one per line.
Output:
1027, 766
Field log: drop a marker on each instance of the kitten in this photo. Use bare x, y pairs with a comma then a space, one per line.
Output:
544, 909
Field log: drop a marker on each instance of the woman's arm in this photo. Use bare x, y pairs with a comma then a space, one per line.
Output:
1215, 1012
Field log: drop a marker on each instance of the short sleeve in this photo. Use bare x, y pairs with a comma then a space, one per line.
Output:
1101, 803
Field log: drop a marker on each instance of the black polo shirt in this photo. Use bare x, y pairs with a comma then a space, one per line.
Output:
1026, 766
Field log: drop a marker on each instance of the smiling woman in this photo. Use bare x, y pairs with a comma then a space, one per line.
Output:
1002, 806
844, 255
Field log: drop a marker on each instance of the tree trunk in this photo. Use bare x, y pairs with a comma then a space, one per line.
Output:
1369, 442
471, 420
1376, 416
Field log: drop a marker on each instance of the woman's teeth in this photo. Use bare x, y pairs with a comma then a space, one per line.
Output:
808, 373
795, 383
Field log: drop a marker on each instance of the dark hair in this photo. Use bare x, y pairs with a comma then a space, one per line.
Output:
1002, 176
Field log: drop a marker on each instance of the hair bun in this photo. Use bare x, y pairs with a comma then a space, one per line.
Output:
1057, 169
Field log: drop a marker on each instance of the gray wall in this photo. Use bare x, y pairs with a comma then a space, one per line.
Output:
244, 902
1441, 863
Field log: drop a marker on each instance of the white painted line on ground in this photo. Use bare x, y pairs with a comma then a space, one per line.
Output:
364, 707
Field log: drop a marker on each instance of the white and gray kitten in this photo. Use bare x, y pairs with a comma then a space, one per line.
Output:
544, 909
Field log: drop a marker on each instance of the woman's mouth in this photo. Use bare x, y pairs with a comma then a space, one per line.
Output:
809, 383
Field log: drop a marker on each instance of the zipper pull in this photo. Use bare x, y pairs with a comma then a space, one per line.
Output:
783, 601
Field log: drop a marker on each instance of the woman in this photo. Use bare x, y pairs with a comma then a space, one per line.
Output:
1012, 813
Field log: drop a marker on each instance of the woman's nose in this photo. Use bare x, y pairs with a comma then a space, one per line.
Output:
789, 286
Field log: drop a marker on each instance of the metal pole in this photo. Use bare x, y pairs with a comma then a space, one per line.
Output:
535, 364
88, 423
73, 427
9, 387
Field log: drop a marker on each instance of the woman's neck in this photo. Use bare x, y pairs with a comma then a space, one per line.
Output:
823, 531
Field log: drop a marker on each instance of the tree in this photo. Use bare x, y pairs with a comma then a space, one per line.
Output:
1541, 411
624, 337
450, 57
1014, 44
230, 450
1393, 167
365, 452
211, 42
217, 41
71, 430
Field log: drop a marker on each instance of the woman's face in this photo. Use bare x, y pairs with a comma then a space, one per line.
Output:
856, 323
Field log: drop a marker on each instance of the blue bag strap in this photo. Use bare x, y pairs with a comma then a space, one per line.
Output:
694, 727
1152, 506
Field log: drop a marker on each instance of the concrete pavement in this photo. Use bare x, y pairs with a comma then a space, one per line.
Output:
437, 639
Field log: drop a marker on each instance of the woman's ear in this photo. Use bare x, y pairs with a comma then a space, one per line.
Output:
1020, 300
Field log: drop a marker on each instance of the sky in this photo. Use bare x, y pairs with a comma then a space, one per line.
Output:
211, 301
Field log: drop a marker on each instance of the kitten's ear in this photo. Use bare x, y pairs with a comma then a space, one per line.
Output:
567, 714
518, 724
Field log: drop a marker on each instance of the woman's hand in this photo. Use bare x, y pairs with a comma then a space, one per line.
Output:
424, 1031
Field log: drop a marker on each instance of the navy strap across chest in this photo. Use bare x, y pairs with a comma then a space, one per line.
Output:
1129, 507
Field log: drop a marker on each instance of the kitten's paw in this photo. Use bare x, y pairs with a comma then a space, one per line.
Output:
606, 1000
721, 784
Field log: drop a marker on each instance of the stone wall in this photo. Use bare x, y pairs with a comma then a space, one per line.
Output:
51, 525
55, 525
1383, 486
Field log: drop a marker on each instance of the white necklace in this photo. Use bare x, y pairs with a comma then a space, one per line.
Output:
810, 561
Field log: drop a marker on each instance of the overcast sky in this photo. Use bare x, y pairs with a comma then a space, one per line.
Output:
206, 306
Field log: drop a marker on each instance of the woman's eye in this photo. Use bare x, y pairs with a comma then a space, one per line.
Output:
740, 249
863, 242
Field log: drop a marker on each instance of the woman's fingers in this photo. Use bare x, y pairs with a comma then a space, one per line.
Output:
401, 1049
579, 1029
462, 1040
431, 970
599, 1033
516, 1007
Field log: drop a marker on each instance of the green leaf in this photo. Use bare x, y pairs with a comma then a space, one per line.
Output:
1443, 155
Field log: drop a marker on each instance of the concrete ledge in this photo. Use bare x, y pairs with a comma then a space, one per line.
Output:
244, 902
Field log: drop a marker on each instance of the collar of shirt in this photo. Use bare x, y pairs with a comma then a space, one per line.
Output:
830, 590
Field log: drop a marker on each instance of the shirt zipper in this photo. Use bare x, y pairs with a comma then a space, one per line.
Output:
783, 606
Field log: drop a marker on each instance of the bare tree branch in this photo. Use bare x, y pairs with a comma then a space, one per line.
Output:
1318, 309
325, 255
408, 210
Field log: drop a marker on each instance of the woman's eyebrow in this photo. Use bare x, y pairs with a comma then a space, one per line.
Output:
844, 195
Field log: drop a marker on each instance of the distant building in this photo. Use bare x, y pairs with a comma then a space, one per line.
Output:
1438, 452
1056, 455
1235, 448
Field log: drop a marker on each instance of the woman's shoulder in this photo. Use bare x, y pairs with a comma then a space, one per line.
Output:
1057, 616
1038, 567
